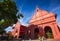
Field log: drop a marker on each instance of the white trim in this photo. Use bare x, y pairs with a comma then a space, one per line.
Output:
40, 18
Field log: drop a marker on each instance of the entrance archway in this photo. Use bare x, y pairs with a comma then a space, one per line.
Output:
36, 31
48, 32
21, 35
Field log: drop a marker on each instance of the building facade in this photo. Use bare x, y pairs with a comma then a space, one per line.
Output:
43, 23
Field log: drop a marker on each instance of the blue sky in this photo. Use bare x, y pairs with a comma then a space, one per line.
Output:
27, 8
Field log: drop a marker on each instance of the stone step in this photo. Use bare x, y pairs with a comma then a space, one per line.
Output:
32, 40
43, 40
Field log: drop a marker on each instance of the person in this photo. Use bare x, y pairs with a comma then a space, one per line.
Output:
40, 36
28, 35
0, 37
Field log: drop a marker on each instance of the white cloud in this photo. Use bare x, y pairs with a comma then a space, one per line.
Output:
24, 21
57, 11
58, 21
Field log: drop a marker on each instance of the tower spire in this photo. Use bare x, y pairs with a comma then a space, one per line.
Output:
37, 8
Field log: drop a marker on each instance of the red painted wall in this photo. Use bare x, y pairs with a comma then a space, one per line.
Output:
19, 29
43, 18
16, 30
40, 19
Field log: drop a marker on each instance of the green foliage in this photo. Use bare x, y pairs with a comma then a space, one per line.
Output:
8, 12
10, 36
49, 35
2, 31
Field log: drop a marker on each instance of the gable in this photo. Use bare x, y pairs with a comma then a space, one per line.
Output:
38, 13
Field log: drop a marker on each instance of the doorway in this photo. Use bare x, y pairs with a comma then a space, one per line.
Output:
36, 31
48, 32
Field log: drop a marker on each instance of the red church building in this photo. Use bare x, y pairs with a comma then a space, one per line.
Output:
42, 23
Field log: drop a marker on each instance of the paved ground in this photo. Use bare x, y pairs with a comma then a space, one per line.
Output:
31, 40
43, 40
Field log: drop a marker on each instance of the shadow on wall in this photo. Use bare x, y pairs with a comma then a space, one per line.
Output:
35, 31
